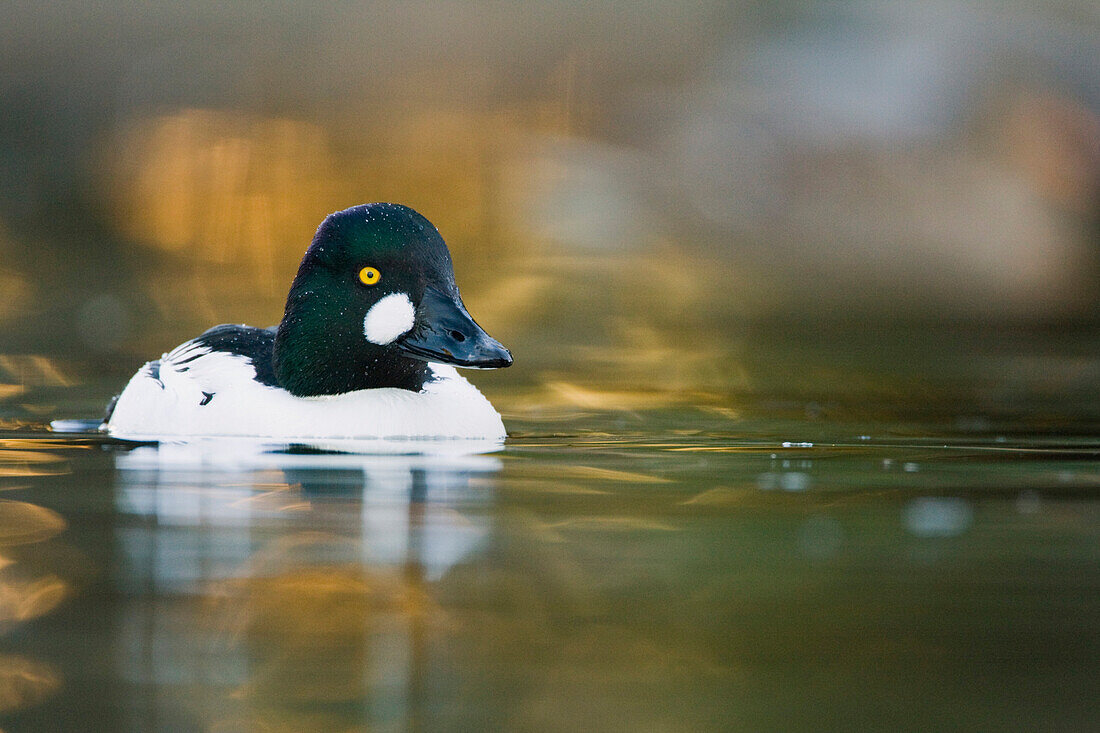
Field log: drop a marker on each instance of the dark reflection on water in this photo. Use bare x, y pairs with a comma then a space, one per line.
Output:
308, 574
613, 578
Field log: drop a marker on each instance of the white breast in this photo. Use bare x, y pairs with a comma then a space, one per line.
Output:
237, 405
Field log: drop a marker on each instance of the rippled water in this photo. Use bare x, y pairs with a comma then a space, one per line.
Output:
682, 568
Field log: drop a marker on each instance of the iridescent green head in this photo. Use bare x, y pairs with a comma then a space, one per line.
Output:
374, 300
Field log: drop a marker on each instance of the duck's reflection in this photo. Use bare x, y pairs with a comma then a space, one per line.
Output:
277, 581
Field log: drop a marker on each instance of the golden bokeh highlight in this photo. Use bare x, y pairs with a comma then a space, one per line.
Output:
23, 523
234, 187
309, 614
222, 187
22, 600
34, 370
27, 593
25, 682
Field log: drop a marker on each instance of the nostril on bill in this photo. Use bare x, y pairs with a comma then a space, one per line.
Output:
458, 336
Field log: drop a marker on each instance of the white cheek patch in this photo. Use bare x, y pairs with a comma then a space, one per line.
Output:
389, 318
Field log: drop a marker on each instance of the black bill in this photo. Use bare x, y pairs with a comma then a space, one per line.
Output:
446, 333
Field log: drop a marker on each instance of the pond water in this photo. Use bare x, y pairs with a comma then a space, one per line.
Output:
684, 567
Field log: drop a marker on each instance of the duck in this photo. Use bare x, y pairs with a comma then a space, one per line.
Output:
371, 336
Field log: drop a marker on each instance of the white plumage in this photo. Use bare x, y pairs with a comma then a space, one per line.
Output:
389, 318
204, 393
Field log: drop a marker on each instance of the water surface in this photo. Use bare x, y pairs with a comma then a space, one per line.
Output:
670, 568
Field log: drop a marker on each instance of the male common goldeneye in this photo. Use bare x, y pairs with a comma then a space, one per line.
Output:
373, 323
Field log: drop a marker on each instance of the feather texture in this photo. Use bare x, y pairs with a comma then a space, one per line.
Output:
200, 391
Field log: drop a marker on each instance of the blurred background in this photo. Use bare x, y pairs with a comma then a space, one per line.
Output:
650, 202
804, 304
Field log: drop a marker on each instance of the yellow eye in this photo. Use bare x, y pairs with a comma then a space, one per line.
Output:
369, 275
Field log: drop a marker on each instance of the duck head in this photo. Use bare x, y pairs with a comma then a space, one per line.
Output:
373, 302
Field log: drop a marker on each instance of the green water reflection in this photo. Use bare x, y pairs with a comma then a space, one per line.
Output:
601, 573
